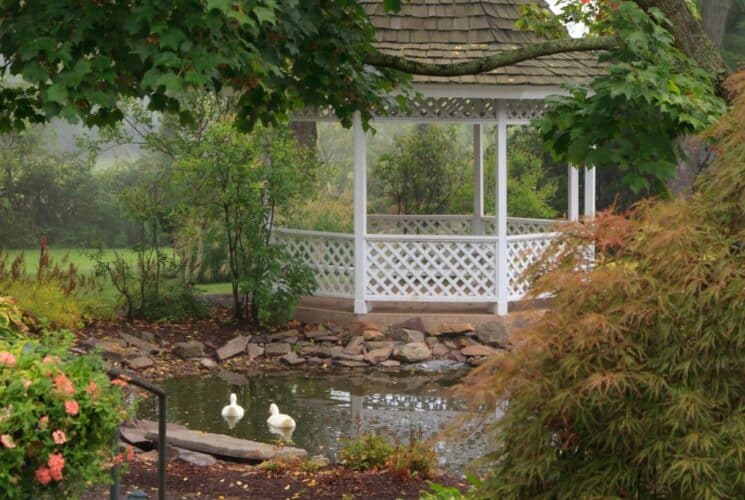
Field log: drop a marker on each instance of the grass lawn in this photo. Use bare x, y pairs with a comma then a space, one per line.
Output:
81, 259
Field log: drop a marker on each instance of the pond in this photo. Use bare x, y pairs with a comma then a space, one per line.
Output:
327, 408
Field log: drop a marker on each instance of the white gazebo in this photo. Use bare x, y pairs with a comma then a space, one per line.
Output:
448, 258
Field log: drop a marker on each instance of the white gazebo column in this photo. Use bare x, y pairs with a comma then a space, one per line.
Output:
360, 215
573, 194
501, 212
478, 180
590, 192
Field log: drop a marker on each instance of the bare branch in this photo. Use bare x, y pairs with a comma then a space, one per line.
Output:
488, 63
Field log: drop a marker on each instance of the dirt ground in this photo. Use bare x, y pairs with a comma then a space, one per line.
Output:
235, 481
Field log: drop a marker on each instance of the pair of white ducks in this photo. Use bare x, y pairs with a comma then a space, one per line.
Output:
233, 411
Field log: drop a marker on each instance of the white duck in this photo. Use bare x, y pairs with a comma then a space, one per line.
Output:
233, 412
279, 420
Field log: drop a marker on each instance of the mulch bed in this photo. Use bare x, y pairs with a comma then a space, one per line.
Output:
232, 481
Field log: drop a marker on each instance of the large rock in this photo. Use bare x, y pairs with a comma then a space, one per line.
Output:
312, 334
478, 350
207, 363
377, 356
277, 349
139, 363
113, 351
142, 345
415, 323
357, 327
350, 363
195, 457
373, 335
414, 352
254, 351
390, 363
191, 349
406, 335
227, 446
292, 359
377, 345
285, 334
451, 329
355, 345
439, 350
232, 348
319, 351
493, 333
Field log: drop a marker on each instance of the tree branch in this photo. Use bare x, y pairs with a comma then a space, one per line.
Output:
491, 62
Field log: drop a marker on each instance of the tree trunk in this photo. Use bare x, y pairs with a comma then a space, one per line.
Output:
714, 19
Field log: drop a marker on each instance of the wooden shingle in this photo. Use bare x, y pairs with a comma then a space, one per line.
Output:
445, 31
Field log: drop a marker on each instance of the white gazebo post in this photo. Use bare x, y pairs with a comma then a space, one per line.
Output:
501, 213
590, 192
360, 214
478, 180
573, 194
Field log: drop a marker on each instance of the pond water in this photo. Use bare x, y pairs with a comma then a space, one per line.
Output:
327, 408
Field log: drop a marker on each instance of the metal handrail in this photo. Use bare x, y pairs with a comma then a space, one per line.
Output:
158, 391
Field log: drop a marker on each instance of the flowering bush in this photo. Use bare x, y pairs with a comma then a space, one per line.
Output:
58, 415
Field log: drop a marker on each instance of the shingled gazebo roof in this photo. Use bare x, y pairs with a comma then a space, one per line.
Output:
447, 31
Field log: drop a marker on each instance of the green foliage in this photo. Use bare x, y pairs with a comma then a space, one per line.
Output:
239, 181
367, 451
630, 386
440, 492
57, 418
275, 55
11, 319
415, 459
632, 115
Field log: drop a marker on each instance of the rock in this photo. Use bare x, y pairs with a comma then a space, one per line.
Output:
437, 366
414, 351
232, 378
415, 323
319, 461
139, 363
406, 335
373, 335
152, 455
431, 341
191, 349
319, 351
337, 352
439, 350
195, 457
315, 333
390, 363
90, 342
262, 339
350, 363
284, 335
207, 363
254, 351
232, 348
147, 336
451, 329
355, 345
478, 350
136, 436
142, 345
291, 340
451, 344
476, 361
357, 327
292, 359
277, 348
377, 356
227, 446
330, 339
314, 361
464, 341
377, 345
493, 333
113, 351
457, 356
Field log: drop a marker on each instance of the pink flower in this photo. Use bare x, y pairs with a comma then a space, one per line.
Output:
63, 385
119, 382
7, 359
43, 475
26, 384
92, 389
59, 436
56, 464
7, 441
50, 359
43, 421
71, 407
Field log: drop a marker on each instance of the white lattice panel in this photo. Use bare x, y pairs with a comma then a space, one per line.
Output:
331, 256
431, 269
523, 110
419, 224
521, 253
518, 225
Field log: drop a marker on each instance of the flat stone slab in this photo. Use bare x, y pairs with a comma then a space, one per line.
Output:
232, 348
195, 457
191, 349
142, 345
227, 446
139, 363
478, 350
277, 348
254, 351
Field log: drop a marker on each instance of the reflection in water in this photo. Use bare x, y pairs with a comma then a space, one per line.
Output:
231, 420
327, 408
284, 433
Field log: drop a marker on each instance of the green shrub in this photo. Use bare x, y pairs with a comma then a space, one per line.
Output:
367, 451
46, 302
175, 302
11, 320
631, 385
58, 415
415, 459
